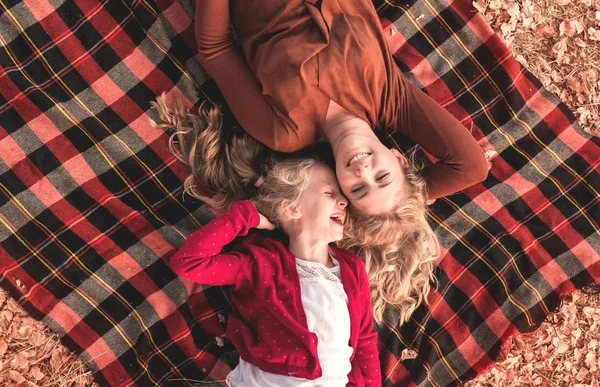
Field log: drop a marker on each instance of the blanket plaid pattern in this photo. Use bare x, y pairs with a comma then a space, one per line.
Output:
91, 203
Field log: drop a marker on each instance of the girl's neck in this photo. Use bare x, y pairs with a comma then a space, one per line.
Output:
313, 251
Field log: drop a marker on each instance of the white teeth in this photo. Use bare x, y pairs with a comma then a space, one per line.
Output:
359, 156
338, 217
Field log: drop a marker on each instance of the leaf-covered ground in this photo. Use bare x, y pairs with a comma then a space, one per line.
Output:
558, 41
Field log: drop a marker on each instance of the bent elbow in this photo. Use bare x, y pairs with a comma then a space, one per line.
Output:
473, 170
480, 169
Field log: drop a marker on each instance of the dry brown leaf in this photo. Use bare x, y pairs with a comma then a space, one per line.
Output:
583, 372
37, 339
56, 360
3, 347
20, 362
593, 33
495, 4
579, 42
36, 373
546, 30
408, 354
6, 316
479, 6
591, 360
16, 377
568, 28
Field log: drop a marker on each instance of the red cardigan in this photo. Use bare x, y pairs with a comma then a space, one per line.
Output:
267, 323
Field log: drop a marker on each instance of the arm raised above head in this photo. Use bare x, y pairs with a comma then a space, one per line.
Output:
461, 162
201, 258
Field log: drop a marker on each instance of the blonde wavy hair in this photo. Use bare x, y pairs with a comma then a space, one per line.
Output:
399, 249
231, 169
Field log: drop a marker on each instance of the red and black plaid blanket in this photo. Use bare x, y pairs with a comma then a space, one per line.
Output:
91, 203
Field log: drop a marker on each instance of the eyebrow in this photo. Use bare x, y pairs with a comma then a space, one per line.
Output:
381, 186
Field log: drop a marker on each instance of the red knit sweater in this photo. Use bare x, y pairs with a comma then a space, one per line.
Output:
267, 323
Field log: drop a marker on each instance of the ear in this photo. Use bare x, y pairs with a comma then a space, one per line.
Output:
289, 211
400, 156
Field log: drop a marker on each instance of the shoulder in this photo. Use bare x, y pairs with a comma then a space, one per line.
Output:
350, 258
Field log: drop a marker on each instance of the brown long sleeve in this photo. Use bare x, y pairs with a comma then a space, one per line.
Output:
220, 56
461, 160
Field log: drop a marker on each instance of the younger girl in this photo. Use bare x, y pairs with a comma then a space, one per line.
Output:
301, 309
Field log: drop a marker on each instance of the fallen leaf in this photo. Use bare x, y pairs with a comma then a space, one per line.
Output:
36, 373
591, 360
583, 372
495, 4
567, 28
3, 347
544, 64
591, 75
593, 33
56, 360
20, 362
553, 89
579, 42
546, 30
408, 354
559, 49
37, 339
575, 86
16, 377
562, 347
479, 6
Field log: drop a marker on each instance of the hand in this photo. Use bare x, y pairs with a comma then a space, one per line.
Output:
264, 223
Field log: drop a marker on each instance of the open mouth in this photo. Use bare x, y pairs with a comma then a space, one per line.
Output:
338, 218
357, 157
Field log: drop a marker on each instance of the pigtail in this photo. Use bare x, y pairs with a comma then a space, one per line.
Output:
217, 167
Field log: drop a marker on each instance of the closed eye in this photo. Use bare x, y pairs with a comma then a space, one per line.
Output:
383, 177
381, 186
357, 189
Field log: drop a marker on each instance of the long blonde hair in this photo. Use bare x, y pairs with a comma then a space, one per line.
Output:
399, 249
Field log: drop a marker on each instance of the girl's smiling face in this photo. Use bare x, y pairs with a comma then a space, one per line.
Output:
324, 206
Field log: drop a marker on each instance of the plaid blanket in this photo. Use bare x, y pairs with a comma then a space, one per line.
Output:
91, 204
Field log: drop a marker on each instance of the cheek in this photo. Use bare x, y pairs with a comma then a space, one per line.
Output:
345, 183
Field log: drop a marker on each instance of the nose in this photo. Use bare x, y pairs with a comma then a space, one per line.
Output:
360, 169
343, 202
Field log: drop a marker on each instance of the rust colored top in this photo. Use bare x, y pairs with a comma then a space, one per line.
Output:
298, 55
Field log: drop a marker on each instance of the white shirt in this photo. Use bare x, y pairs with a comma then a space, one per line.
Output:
326, 306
